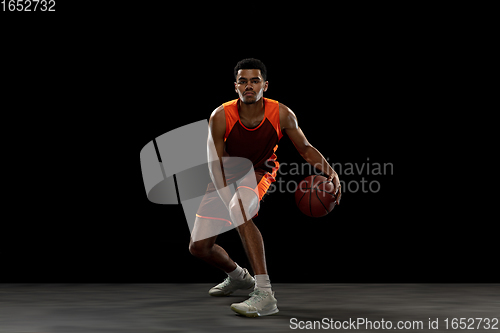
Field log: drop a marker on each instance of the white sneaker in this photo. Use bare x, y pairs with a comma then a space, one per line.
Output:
229, 286
262, 303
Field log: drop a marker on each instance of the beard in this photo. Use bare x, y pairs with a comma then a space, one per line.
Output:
249, 99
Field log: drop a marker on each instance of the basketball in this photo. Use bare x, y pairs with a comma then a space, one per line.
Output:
315, 196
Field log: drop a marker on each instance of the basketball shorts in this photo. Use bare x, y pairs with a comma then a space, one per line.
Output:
212, 206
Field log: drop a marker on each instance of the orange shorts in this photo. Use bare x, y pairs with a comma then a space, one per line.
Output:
212, 206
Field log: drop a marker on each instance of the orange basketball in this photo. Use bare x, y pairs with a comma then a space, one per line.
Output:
315, 196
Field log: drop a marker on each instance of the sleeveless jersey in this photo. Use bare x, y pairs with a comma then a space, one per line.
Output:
257, 144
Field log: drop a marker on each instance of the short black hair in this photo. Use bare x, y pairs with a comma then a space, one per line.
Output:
251, 63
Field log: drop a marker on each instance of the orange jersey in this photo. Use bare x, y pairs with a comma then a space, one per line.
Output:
257, 144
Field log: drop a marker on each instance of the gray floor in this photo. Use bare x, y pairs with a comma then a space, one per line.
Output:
142, 308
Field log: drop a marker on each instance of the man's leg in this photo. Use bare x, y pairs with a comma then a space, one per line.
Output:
206, 249
254, 246
262, 303
244, 203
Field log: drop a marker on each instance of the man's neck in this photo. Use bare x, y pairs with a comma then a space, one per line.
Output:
251, 109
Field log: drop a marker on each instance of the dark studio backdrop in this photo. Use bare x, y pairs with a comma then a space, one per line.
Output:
365, 100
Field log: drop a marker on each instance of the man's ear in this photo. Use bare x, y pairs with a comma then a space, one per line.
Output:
266, 85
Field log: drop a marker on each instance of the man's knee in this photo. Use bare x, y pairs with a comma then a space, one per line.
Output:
243, 208
234, 207
199, 249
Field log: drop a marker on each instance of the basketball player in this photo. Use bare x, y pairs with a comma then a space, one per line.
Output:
248, 127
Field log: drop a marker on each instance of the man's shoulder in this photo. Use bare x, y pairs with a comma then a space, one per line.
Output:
231, 103
284, 108
217, 114
285, 111
287, 117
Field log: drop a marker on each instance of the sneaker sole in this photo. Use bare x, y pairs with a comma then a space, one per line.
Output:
222, 294
255, 314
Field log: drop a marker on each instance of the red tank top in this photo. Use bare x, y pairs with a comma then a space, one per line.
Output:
257, 144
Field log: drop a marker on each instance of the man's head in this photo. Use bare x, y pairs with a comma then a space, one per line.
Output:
250, 75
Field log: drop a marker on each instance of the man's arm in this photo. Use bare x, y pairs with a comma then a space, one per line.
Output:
289, 123
215, 150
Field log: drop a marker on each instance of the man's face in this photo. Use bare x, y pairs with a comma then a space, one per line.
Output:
250, 85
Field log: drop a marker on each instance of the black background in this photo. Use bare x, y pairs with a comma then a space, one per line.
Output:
98, 90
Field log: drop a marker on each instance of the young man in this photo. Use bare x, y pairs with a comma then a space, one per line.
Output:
248, 127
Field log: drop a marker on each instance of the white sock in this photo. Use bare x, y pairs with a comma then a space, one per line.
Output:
237, 274
262, 282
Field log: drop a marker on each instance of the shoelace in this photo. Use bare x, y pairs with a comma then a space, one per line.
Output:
226, 282
256, 296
